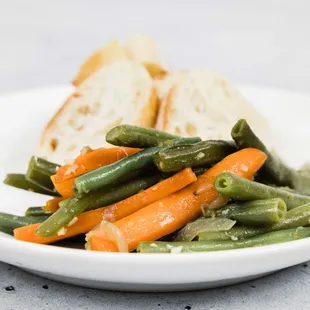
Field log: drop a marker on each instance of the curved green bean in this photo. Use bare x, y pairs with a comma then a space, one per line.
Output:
253, 213
40, 172
204, 153
206, 246
19, 181
136, 136
274, 169
106, 175
238, 188
294, 218
72, 207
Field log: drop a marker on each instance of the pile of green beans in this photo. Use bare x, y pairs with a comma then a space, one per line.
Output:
276, 209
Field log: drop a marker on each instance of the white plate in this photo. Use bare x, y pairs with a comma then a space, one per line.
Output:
22, 117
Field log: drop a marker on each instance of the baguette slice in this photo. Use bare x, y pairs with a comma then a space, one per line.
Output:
204, 103
138, 48
103, 56
119, 93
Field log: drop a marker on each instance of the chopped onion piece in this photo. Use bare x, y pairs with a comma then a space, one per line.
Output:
191, 230
85, 150
110, 232
219, 202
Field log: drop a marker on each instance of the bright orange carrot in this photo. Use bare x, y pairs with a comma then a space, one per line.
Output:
87, 220
52, 205
101, 244
171, 213
64, 178
160, 190
65, 188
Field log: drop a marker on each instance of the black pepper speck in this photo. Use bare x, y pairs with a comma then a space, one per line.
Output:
188, 307
10, 288
45, 287
158, 305
253, 286
305, 265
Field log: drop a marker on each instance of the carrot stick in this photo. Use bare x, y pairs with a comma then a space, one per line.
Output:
87, 220
64, 178
65, 188
52, 205
171, 213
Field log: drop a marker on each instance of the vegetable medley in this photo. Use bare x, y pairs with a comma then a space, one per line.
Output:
159, 193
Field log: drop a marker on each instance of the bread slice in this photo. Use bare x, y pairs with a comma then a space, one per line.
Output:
204, 103
104, 56
121, 92
138, 48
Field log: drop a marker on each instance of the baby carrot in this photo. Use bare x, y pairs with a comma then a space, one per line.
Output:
171, 213
87, 220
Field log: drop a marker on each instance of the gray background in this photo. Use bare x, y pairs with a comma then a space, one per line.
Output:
254, 42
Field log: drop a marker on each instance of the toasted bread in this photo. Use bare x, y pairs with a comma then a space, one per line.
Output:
138, 48
121, 92
204, 103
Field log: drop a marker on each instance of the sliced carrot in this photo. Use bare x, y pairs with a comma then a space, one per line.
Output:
160, 190
87, 220
100, 244
171, 213
64, 178
65, 188
52, 205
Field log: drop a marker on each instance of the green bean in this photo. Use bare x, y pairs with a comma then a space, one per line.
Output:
253, 213
14, 221
40, 172
135, 136
206, 246
36, 211
294, 218
238, 188
274, 169
6, 230
106, 175
72, 207
202, 153
19, 181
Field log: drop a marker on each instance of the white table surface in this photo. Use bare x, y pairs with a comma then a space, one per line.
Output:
263, 42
